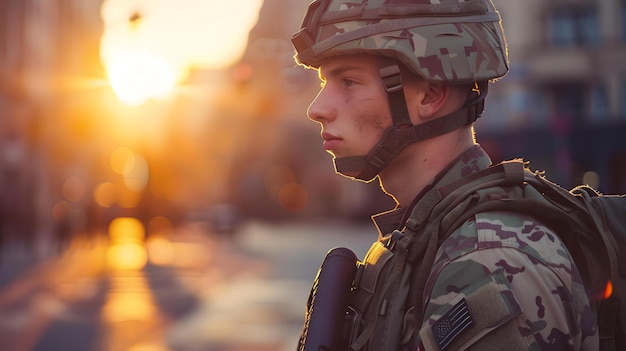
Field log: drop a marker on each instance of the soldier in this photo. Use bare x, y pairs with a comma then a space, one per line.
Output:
402, 84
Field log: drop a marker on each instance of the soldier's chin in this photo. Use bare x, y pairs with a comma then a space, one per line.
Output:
331, 153
352, 170
355, 175
351, 175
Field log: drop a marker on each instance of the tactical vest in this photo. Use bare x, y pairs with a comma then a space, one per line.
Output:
386, 304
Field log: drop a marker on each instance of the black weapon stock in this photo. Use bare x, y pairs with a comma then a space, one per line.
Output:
325, 325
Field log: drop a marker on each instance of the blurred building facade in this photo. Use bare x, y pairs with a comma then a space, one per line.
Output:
562, 106
40, 43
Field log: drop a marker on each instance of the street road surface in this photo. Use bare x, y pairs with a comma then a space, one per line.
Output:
195, 291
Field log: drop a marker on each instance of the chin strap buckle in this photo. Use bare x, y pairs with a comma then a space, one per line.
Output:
392, 81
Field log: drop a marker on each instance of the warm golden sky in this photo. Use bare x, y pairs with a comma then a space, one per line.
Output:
171, 36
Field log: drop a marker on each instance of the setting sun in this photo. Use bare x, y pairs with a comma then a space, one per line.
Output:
137, 77
149, 47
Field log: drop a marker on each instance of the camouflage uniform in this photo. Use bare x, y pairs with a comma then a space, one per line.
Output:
515, 275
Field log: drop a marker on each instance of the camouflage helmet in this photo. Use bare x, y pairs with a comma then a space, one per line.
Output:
445, 41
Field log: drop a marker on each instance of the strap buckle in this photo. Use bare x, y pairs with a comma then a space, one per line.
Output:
391, 78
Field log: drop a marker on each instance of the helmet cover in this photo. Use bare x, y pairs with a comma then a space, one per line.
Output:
444, 41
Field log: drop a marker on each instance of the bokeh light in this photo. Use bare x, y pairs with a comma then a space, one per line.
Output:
592, 179
293, 197
129, 305
121, 160
608, 291
105, 194
73, 189
160, 251
61, 211
160, 225
127, 255
126, 250
134, 169
124, 229
137, 176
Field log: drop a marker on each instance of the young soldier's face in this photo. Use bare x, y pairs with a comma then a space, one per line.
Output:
351, 106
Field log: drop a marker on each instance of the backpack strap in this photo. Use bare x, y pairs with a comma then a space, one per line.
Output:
435, 201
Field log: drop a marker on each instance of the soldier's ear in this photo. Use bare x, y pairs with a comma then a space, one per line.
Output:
432, 102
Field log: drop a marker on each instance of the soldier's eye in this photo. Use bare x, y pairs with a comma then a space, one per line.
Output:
347, 82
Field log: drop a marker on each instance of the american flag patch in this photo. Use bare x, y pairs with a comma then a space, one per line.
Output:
452, 324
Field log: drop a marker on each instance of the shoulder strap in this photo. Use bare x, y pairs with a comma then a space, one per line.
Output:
565, 212
437, 200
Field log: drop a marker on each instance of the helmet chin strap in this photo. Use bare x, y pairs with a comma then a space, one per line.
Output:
403, 132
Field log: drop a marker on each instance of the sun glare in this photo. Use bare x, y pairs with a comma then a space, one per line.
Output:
148, 47
138, 77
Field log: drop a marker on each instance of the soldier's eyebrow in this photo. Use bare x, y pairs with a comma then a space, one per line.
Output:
339, 70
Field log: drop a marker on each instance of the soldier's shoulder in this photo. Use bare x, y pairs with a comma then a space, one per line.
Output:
506, 230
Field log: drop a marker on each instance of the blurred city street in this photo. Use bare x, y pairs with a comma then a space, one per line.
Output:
196, 291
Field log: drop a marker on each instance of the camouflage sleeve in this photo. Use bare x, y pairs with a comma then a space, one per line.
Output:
506, 282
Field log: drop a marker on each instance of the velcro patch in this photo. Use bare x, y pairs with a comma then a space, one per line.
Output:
473, 315
452, 324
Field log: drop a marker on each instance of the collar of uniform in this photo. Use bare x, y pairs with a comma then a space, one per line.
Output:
469, 162
387, 222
